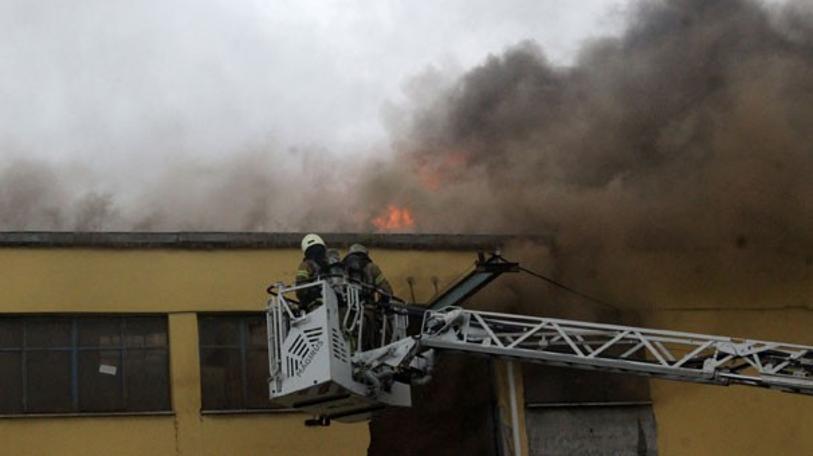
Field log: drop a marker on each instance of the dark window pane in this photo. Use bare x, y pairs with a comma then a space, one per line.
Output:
100, 384
49, 381
257, 331
219, 331
146, 332
48, 332
221, 382
257, 379
11, 332
99, 332
147, 378
11, 392
105, 381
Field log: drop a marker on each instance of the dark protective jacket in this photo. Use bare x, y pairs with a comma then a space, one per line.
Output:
308, 271
360, 267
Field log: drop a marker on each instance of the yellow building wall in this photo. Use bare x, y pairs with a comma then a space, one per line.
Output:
181, 283
711, 292
691, 419
694, 419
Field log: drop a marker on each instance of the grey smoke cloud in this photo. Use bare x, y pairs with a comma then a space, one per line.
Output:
208, 76
120, 101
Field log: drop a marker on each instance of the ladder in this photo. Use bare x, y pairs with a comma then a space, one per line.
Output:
656, 353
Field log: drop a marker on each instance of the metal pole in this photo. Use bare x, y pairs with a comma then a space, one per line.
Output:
512, 397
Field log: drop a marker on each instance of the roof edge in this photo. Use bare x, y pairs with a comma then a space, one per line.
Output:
251, 240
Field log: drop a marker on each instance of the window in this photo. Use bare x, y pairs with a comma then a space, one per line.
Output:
234, 362
61, 364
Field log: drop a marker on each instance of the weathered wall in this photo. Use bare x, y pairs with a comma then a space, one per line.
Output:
708, 291
104, 280
180, 282
691, 419
712, 420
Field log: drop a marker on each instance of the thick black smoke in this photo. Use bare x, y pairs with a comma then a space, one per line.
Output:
678, 153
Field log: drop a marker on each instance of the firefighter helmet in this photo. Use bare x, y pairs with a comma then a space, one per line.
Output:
310, 240
357, 248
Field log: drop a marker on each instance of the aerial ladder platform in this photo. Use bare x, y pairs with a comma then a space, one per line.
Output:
347, 357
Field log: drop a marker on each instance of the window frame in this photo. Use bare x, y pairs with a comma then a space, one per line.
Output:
74, 349
243, 347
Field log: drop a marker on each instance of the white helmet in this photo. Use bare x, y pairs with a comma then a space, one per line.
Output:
310, 240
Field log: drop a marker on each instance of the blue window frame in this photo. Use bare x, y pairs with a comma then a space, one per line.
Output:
83, 364
234, 362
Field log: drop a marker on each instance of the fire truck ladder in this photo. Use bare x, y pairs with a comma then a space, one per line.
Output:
662, 354
345, 358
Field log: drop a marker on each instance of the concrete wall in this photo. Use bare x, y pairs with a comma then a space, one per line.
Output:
180, 283
603, 430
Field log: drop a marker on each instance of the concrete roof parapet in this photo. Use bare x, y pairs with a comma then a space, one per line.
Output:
251, 240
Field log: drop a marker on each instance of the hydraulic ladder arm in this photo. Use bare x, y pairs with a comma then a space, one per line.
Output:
663, 354
322, 360
484, 272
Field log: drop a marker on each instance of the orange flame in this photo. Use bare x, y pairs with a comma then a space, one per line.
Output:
394, 219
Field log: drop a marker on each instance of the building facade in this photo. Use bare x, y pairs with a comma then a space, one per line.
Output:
131, 344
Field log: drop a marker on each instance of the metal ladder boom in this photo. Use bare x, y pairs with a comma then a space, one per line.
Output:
483, 273
657, 353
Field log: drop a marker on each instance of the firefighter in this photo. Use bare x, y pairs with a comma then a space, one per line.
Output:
313, 265
360, 267
335, 272
334, 263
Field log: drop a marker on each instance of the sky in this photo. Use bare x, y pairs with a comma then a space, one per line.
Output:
112, 84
